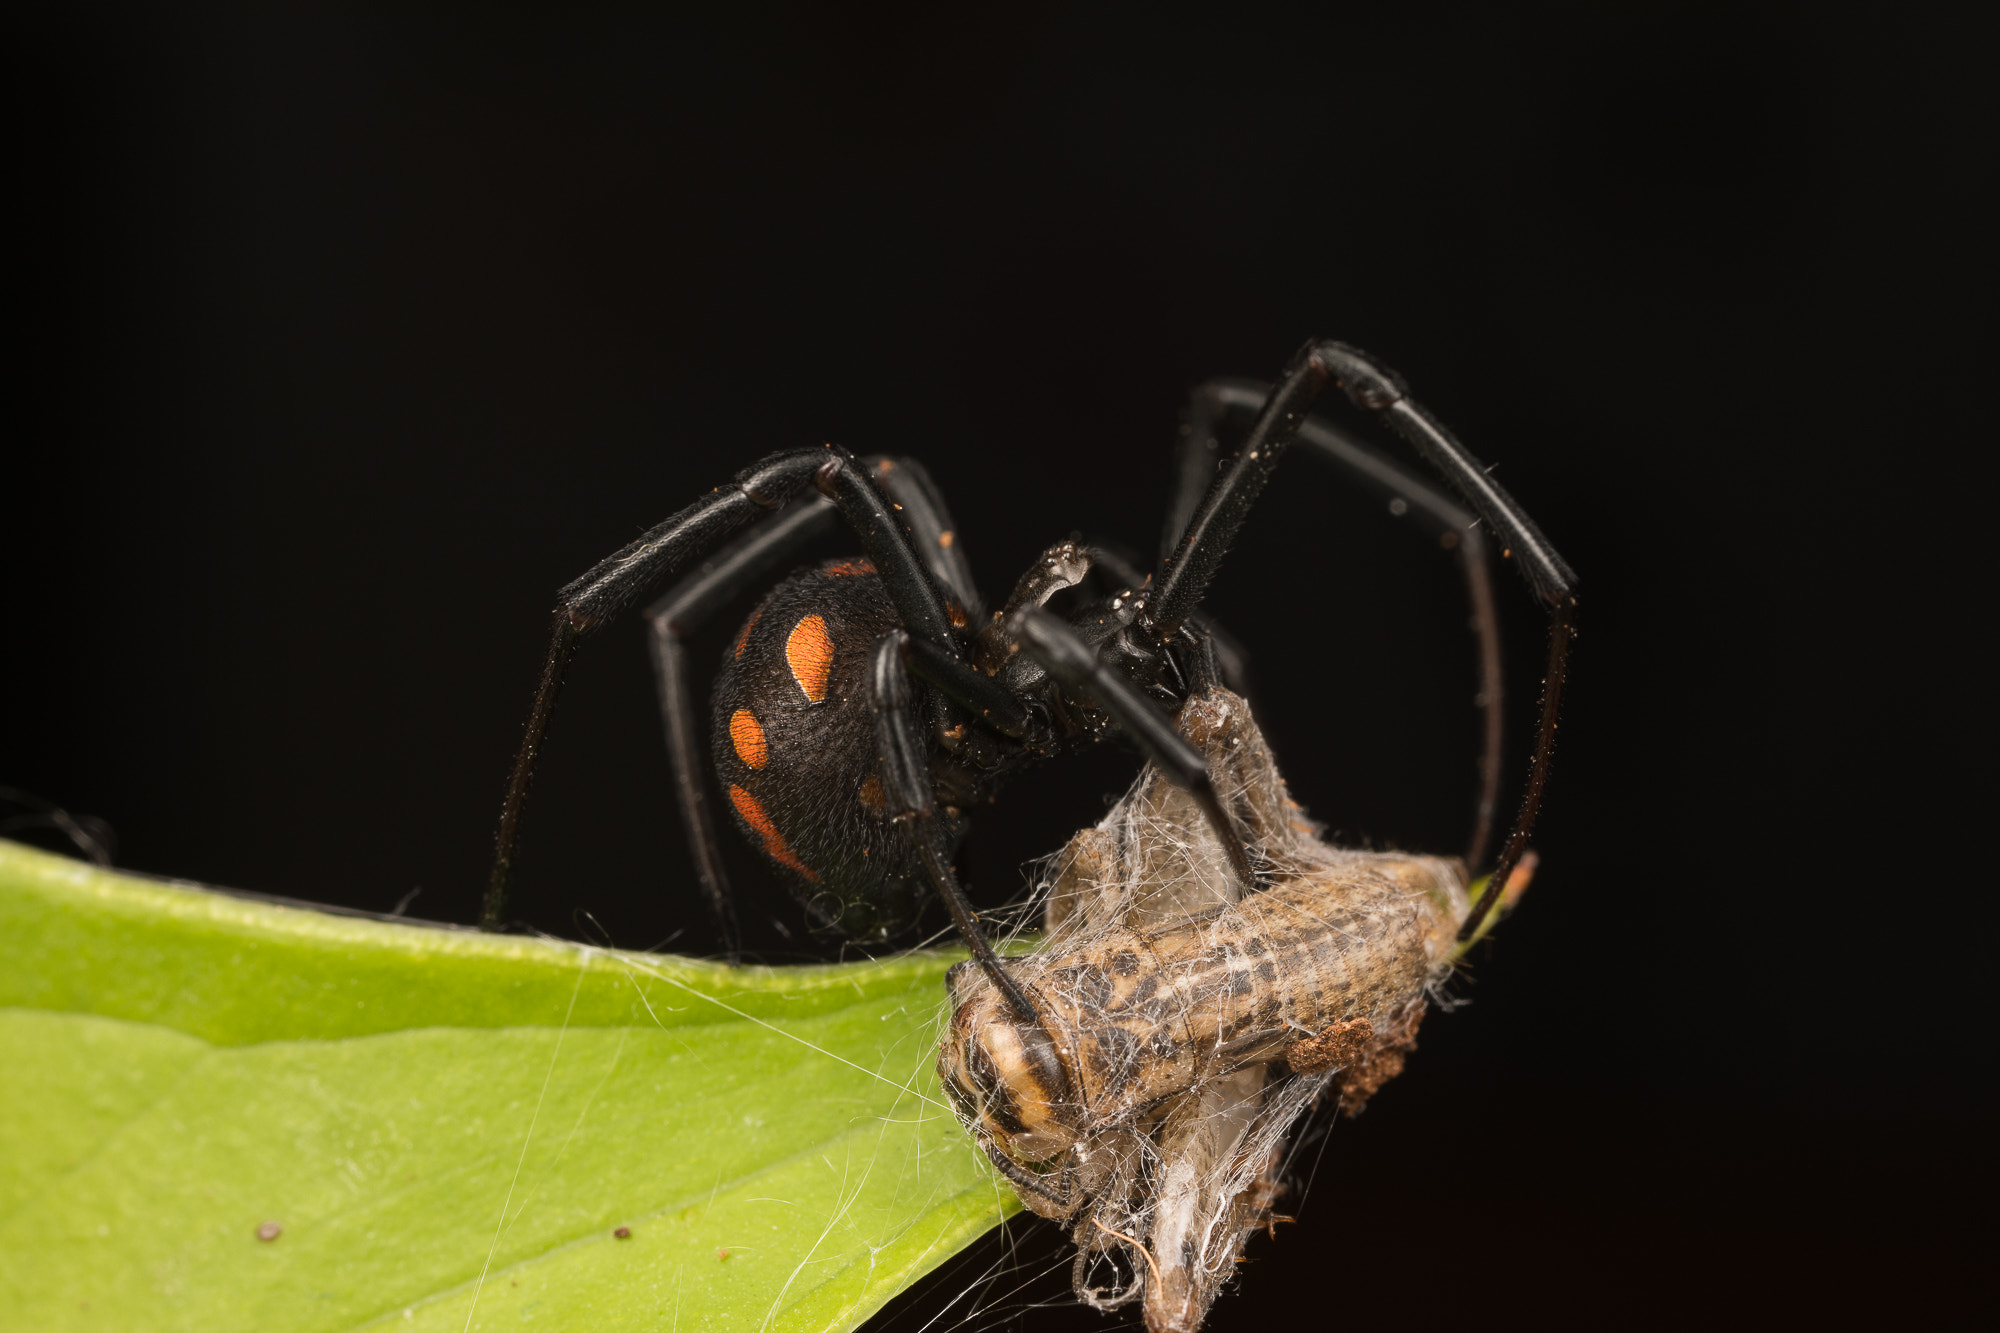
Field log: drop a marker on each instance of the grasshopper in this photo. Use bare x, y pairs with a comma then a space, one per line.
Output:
1184, 1026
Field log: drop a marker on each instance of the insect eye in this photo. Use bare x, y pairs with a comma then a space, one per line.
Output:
962, 1100
993, 1099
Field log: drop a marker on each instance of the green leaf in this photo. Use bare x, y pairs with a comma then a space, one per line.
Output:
447, 1124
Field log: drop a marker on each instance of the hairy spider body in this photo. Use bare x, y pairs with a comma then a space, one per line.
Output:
870, 702
794, 722
793, 744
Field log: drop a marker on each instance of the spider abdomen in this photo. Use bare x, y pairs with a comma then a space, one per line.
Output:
794, 747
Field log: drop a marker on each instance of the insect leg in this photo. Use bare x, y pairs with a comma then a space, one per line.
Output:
675, 616
906, 788
1072, 663
1225, 403
1024, 1179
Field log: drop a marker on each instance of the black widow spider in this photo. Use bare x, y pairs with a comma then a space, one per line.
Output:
868, 703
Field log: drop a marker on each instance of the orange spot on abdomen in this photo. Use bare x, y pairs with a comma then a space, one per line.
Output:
809, 653
775, 845
747, 735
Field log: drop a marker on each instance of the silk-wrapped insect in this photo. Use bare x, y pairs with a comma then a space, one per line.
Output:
1183, 1026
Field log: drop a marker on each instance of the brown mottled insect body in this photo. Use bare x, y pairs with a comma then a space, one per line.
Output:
1183, 1026
1141, 1015
792, 729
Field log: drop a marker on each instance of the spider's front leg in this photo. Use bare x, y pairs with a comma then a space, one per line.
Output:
1231, 406
906, 789
1211, 528
1074, 665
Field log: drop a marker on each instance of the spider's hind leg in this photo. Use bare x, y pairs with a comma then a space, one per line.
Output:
622, 579
686, 608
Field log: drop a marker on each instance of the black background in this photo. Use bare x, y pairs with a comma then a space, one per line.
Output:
344, 338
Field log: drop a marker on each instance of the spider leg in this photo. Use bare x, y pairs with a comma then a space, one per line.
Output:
992, 702
672, 619
1222, 402
909, 486
1204, 667
1185, 575
1073, 664
615, 583
906, 789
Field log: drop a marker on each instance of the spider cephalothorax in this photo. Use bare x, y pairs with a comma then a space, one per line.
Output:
870, 702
